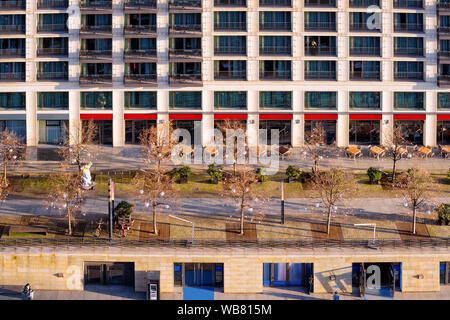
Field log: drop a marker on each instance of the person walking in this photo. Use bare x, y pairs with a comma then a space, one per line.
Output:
310, 284
335, 296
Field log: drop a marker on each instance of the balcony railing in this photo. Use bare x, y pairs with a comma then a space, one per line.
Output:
275, 50
231, 50
320, 51
362, 26
408, 51
13, 52
185, 4
444, 4
96, 29
365, 51
52, 4
275, 3
444, 78
150, 28
185, 27
230, 75
320, 3
12, 76
140, 53
445, 29
275, 75
320, 75
19, 28
408, 27
408, 75
95, 53
281, 26
364, 3
139, 4
52, 51
230, 3
52, 75
365, 75
140, 77
95, 4
95, 78
320, 26
52, 27
186, 52
187, 78
444, 53
14, 4
404, 4
230, 26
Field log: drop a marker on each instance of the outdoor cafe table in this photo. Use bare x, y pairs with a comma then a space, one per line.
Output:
401, 150
446, 149
354, 151
377, 151
424, 150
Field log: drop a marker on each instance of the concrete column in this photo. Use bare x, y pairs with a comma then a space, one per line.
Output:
430, 124
162, 43
431, 43
118, 120
208, 117
31, 119
252, 121
342, 125
74, 114
117, 44
387, 121
30, 42
297, 123
74, 22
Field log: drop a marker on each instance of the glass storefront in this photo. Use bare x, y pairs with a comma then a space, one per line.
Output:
364, 132
52, 131
328, 125
443, 132
283, 127
198, 274
286, 274
412, 130
104, 131
188, 125
134, 128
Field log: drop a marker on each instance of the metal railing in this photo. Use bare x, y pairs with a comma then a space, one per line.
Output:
52, 4
275, 50
317, 26
362, 26
320, 51
96, 78
444, 53
365, 75
140, 77
445, 29
275, 3
52, 51
12, 52
185, 4
186, 52
301, 244
320, 75
445, 4
52, 27
12, 76
408, 75
12, 28
320, 3
182, 77
88, 28
364, 3
230, 75
408, 4
408, 51
408, 27
238, 50
282, 26
365, 51
95, 53
185, 27
231, 3
13, 4
140, 52
138, 4
52, 75
444, 78
95, 4
150, 28
275, 75
225, 26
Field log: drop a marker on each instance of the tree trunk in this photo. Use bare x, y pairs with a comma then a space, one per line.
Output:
414, 219
393, 169
5, 182
242, 219
69, 217
329, 220
155, 231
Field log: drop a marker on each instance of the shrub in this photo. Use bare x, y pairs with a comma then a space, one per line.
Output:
215, 172
261, 172
374, 174
293, 173
443, 211
124, 209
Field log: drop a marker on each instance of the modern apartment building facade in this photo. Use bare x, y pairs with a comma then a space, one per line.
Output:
282, 64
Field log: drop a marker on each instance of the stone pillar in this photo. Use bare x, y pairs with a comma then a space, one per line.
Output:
342, 124
208, 117
297, 124
252, 120
387, 121
31, 119
162, 44
430, 124
74, 115
118, 120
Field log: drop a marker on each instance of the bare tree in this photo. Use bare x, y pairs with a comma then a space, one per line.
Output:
395, 142
78, 145
10, 149
333, 186
239, 128
66, 193
315, 142
417, 187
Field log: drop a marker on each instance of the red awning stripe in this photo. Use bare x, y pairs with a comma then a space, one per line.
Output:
365, 117
140, 116
185, 116
96, 116
443, 117
409, 117
276, 116
230, 116
321, 116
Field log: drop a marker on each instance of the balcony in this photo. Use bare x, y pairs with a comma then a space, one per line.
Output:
185, 28
320, 75
275, 75
408, 27
12, 28
185, 53
230, 50
320, 3
364, 3
230, 26
139, 4
189, 79
95, 79
52, 4
52, 76
12, 76
320, 26
365, 75
52, 52
101, 29
140, 29
443, 4
140, 79
89, 5
405, 4
230, 3
365, 51
275, 26
320, 51
237, 75
12, 5
445, 29
275, 50
408, 76
444, 54
362, 26
444, 81
408, 52
275, 3
46, 28
185, 4
130, 54
96, 54
12, 53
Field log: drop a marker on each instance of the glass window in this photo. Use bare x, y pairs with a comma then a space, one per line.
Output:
409, 100
275, 99
96, 100
328, 125
364, 132
443, 100
53, 100
185, 100
140, 100
18, 127
320, 100
230, 99
12, 100
365, 100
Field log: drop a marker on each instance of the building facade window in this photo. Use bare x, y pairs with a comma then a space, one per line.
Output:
443, 100
320, 100
12, 101
52, 131
18, 127
185, 100
320, 46
230, 100
408, 70
365, 70
96, 100
320, 70
198, 274
365, 46
230, 20
365, 100
408, 46
53, 100
140, 100
284, 131
320, 21
286, 274
364, 132
409, 100
275, 100
134, 128
274, 45
443, 132
328, 125
230, 45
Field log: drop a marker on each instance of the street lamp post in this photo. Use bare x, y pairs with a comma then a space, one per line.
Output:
282, 201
